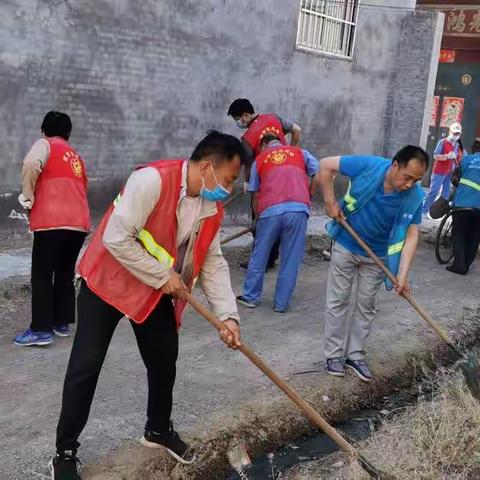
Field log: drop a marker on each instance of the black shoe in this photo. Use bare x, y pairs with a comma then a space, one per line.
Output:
171, 442
450, 268
63, 466
360, 368
246, 303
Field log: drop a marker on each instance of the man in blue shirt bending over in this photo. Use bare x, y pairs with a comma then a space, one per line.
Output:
384, 206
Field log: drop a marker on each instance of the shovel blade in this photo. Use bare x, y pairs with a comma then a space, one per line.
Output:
471, 372
372, 470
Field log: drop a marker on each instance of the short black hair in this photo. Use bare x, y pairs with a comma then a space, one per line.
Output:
57, 124
476, 146
240, 106
270, 137
404, 155
219, 144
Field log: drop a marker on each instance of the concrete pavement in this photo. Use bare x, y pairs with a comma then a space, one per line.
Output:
211, 381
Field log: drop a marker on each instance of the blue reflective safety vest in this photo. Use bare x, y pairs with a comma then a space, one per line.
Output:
467, 194
360, 191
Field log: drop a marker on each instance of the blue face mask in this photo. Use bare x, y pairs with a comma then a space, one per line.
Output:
218, 194
240, 124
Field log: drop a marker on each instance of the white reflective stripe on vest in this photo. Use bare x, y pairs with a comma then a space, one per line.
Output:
395, 248
469, 183
151, 246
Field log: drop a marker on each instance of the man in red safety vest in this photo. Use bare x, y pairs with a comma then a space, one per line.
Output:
256, 127
158, 236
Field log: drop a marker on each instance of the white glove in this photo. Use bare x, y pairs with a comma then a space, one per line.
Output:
451, 156
245, 187
24, 201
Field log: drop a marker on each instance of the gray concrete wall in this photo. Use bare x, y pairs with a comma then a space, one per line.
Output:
144, 80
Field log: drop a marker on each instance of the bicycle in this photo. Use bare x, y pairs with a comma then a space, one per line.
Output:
443, 239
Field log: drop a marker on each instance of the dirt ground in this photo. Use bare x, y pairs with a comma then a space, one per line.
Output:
213, 384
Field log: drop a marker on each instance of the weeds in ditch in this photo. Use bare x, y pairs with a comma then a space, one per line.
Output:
438, 438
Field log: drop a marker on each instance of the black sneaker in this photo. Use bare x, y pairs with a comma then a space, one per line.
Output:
246, 303
171, 442
360, 368
335, 366
63, 466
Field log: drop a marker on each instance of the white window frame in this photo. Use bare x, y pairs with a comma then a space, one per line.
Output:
328, 32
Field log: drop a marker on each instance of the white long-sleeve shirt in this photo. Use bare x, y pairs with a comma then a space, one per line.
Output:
139, 198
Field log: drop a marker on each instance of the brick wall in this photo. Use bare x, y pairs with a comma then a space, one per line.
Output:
144, 80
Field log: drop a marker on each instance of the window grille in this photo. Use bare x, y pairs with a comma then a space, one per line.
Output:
327, 26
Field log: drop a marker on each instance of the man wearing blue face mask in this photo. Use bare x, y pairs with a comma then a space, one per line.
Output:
256, 127
448, 155
159, 235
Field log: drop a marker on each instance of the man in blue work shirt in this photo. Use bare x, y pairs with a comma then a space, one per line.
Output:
384, 206
466, 220
280, 181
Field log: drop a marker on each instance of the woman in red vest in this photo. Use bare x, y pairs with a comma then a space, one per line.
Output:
54, 191
159, 235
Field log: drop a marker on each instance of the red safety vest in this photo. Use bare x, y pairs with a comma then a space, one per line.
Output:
61, 190
264, 124
113, 283
283, 177
445, 167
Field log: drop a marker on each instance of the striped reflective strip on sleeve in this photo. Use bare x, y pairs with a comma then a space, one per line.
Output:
349, 200
395, 248
469, 183
154, 249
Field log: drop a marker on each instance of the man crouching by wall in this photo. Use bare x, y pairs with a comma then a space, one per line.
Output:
157, 237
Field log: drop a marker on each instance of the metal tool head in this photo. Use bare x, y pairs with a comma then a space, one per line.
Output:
471, 371
373, 471
238, 457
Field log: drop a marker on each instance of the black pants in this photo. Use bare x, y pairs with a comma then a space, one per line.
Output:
466, 239
157, 341
53, 265
274, 252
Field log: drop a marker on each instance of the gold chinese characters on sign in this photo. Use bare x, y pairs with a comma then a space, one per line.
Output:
463, 22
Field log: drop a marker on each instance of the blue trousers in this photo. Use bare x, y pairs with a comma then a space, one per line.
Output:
291, 229
437, 183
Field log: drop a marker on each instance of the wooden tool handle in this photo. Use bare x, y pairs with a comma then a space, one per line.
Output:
408, 296
228, 201
235, 235
306, 408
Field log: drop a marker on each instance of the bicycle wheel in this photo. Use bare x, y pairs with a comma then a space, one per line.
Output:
443, 240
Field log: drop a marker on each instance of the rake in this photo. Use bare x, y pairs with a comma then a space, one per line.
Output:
236, 235
469, 363
306, 408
